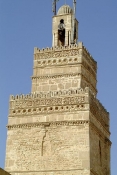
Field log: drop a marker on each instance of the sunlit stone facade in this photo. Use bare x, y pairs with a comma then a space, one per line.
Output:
60, 128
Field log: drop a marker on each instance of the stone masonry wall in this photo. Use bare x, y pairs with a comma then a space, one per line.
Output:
100, 153
49, 133
99, 140
57, 147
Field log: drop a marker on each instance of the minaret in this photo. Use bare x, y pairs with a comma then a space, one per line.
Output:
60, 128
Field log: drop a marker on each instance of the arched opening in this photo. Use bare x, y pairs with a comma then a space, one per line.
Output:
61, 33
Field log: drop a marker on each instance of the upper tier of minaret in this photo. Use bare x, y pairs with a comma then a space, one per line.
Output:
65, 27
65, 67
68, 64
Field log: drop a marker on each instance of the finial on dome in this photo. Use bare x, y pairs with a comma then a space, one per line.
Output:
73, 22
54, 6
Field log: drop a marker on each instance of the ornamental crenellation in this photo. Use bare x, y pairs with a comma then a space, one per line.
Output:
64, 51
52, 102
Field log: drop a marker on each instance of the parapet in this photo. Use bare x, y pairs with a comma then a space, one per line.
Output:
64, 51
51, 102
57, 48
63, 97
57, 102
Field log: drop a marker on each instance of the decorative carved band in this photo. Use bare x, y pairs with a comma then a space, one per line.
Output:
66, 51
50, 101
66, 61
47, 124
58, 62
58, 101
52, 94
55, 52
48, 110
56, 76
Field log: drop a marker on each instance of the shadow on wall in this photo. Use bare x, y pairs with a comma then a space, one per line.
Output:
3, 172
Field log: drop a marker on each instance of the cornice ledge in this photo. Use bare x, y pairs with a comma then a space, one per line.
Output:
40, 171
58, 62
56, 76
44, 124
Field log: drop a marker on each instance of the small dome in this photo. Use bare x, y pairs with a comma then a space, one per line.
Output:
65, 9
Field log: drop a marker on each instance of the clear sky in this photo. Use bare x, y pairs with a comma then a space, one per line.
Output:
25, 24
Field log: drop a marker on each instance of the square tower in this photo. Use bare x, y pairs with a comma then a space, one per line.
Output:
60, 128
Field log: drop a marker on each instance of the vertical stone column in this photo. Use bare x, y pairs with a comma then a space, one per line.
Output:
66, 37
56, 38
53, 40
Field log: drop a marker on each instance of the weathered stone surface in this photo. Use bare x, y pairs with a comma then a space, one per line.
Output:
54, 147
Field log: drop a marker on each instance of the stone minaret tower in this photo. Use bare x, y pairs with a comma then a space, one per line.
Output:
60, 128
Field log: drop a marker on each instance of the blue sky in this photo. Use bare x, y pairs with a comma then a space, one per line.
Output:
25, 24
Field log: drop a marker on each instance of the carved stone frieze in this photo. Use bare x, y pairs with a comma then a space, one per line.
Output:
57, 101
56, 76
48, 53
51, 94
48, 102
50, 109
48, 124
64, 51
55, 54
58, 61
